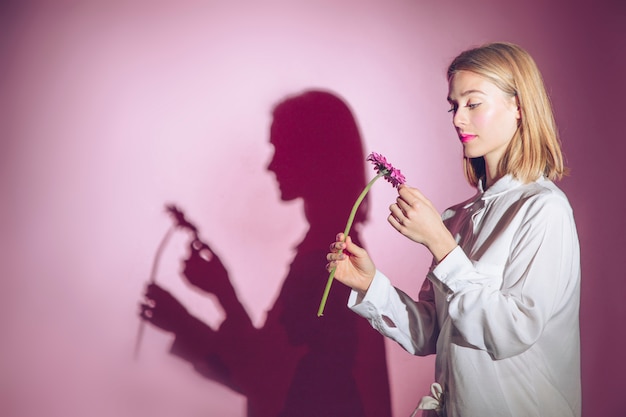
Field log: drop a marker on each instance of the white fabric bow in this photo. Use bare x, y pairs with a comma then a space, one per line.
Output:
434, 402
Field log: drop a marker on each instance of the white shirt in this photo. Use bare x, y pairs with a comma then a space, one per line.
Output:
501, 310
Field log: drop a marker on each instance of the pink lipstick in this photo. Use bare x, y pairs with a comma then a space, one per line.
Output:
466, 138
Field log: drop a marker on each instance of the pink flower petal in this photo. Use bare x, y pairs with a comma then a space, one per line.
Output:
391, 174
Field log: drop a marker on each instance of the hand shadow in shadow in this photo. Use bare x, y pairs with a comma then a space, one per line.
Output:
296, 364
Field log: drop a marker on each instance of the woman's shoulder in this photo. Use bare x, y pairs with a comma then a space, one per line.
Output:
543, 192
540, 202
512, 195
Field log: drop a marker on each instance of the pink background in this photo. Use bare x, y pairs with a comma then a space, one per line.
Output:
110, 109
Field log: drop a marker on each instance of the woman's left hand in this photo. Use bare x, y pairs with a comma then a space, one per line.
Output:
415, 217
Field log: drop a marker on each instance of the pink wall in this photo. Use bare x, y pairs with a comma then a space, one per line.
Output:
110, 110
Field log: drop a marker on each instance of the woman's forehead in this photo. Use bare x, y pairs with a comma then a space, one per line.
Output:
465, 83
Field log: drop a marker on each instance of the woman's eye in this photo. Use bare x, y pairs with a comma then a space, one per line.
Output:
470, 106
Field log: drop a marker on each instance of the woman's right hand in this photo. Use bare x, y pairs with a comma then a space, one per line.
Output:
163, 310
204, 270
354, 267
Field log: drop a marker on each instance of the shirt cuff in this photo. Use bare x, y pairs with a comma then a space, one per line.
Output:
449, 275
377, 294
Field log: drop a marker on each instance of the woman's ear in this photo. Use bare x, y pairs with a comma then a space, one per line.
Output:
518, 111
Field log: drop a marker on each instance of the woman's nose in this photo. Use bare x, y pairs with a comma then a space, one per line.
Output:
271, 165
460, 118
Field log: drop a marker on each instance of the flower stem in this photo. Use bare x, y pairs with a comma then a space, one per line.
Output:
153, 272
355, 207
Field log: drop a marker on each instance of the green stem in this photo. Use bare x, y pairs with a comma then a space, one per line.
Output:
329, 283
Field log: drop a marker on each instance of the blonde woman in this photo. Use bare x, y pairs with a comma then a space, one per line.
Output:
500, 303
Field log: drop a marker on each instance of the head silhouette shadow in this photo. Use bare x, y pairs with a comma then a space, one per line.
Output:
296, 364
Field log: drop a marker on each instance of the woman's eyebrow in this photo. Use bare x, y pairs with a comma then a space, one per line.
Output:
468, 92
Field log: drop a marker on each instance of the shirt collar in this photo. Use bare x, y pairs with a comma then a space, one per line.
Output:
503, 185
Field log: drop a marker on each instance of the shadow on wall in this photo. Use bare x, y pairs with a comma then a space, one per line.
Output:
297, 364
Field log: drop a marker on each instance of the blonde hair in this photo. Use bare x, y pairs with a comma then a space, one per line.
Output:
535, 149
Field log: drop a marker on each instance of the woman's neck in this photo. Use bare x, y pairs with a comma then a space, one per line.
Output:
492, 174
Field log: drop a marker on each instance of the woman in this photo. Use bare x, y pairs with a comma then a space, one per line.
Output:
500, 303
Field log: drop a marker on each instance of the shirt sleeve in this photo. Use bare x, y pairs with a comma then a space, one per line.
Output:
540, 277
412, 324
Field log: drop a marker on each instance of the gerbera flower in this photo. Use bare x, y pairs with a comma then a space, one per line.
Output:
391, 174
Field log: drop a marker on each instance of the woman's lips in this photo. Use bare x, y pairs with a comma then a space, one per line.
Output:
466, 138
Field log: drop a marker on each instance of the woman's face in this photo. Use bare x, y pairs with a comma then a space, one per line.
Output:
484, 116
284, 163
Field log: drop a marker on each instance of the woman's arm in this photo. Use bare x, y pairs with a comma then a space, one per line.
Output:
413, 325
539, 280
390, 311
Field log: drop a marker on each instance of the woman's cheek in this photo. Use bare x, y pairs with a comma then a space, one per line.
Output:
483, 118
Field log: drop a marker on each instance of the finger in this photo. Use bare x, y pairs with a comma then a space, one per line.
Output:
411, 195
148, 291
335, 256
402, 204
353, 249
394, 222
198, 250
397, 211
412, 202
145, 311
406, 190
337, 246
194, 248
